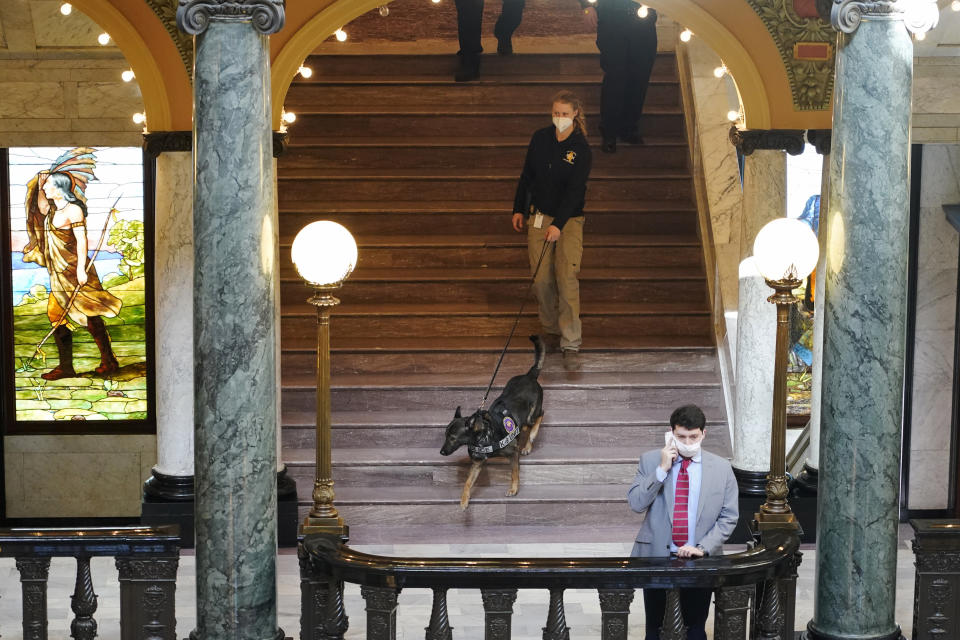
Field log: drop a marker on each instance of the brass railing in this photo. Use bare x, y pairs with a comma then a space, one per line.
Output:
755, 591
146, 559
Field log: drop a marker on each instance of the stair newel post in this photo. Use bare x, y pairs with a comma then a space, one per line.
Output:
556, 628
498, 612
83, 603
673, 627
33, 583
730, 615
381, 612
439, 628
615, 609
324, 254
322, 614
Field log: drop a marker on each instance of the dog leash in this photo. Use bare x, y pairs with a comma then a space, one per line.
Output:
516, 321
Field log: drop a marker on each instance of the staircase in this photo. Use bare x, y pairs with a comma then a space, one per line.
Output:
422, 171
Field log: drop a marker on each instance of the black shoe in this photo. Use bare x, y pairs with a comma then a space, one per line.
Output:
466, 73
632, 137
609, 145
504, 47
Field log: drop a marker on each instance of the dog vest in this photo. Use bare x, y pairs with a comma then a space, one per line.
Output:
512, 429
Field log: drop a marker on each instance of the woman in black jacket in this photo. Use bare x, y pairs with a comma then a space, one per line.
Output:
549, 201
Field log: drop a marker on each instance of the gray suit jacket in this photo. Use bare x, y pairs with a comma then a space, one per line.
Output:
717, 510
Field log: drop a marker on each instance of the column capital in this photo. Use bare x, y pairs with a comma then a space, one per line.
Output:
194, 16
749, 140
157, 142
820, 139
919, 16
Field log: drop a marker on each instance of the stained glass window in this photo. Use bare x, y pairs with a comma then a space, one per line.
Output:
77, 304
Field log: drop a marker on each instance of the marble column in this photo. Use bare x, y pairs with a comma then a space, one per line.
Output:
806, 481
764, 199
235, 297
864, 321
169, 493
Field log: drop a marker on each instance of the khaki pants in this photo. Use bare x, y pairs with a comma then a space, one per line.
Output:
556, 285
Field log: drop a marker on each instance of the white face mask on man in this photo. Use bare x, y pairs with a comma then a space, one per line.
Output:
562, 124
688, 450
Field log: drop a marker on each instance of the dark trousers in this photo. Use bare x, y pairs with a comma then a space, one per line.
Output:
694, 605
470, 21
628, 49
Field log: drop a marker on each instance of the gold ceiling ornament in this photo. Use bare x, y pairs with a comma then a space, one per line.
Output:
166, 10
811, 81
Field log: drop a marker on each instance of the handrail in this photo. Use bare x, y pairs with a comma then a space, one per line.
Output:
146, 558
762, 577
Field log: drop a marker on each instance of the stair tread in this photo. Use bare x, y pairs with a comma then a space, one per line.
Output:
498, 207
486, 80
512, 239
548, 379
450, 494
424, 456
387, 274
567, 418
435, 173
453, 109
506, 308
492, 344
459, 142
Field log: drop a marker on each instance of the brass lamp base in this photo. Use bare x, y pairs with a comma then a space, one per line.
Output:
763, 521
330, 526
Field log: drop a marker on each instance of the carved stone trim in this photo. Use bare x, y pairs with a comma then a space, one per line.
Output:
194, 16
157, 142
131, 568
280, 142
161, 486
918, 17
820, 139
166, 10
748, 141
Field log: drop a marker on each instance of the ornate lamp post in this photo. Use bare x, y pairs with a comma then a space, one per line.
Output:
785, 252
324, 254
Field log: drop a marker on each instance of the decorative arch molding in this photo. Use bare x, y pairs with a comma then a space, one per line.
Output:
750, 84
164, 84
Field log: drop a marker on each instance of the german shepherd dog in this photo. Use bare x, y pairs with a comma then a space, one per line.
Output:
496, 432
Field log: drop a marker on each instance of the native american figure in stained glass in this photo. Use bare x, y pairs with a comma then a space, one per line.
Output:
56, 208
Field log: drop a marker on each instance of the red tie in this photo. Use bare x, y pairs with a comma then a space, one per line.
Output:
680, 533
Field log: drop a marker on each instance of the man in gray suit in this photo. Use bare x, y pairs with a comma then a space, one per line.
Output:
690, 500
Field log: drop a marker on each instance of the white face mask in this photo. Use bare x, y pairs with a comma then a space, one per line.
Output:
688, 450
562, 124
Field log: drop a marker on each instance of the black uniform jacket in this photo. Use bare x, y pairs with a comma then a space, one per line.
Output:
554, 178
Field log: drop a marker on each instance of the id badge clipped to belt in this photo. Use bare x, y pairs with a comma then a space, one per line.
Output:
538, 220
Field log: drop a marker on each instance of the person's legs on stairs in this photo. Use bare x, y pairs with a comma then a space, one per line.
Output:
544, 284
469, 23
567, 268
511, 13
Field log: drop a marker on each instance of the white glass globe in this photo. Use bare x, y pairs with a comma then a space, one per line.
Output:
324, 253
786, 246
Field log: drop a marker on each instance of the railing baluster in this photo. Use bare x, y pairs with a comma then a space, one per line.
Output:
615, 610
673, 627
147, 593
33, 580
556, 628
439, 628
730, 615
83, 603
498, 612
322, 614
381, 612
788, 596
771, 615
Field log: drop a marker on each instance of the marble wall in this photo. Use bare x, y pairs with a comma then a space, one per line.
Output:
936, 99
936, 320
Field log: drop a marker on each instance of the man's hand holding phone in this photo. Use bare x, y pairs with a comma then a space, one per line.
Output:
669, 452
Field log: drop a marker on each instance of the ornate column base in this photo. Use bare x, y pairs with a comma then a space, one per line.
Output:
812, 634
805, 484
751, 483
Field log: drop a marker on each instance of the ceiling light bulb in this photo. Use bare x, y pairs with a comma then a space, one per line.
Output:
341, 35
685, 35
66, 8
920, 35
104, 39
643, 11
127, 75
139, 118
720, 71
955, 5
385, 10
305, 71
592, 1
289, 117
733, 115
435, 1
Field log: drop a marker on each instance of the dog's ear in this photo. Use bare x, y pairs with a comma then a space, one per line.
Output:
457, 414
477, 423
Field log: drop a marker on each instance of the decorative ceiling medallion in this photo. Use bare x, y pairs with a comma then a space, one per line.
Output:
166, 10
811, 78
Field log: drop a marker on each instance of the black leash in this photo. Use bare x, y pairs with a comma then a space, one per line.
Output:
523, 303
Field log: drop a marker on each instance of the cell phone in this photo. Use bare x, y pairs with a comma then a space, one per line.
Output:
668, 438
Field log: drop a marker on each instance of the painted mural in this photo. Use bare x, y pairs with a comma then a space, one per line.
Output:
78, 283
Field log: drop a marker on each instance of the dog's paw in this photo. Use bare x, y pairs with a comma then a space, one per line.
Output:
463, 504
526, 449
512, 491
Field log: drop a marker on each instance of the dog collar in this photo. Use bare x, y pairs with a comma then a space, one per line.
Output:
513, 430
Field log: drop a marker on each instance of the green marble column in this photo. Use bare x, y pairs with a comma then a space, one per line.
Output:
864, 322
235, 296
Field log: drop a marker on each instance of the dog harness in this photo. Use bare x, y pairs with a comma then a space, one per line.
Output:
513, 430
